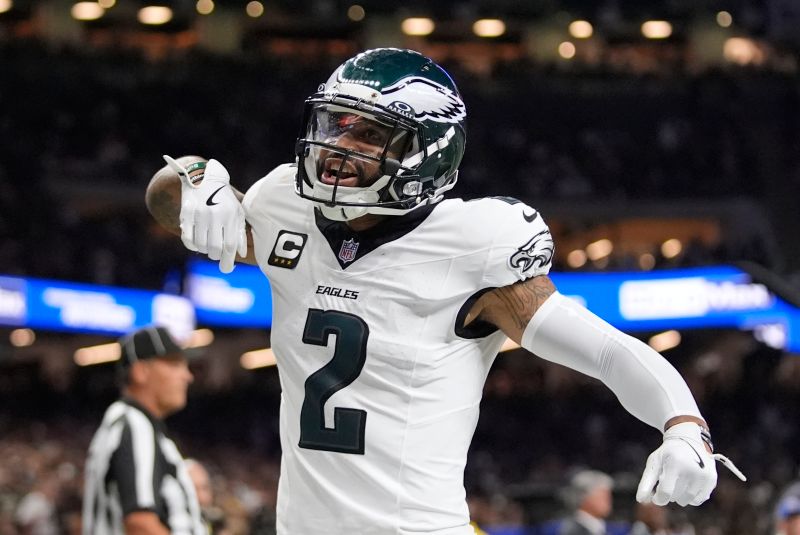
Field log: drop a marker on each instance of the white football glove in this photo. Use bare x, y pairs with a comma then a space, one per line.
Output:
681, 470
212, 218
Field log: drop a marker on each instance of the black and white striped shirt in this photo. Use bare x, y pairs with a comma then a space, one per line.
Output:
133, 466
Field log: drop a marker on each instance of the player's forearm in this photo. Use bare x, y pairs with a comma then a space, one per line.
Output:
646, 384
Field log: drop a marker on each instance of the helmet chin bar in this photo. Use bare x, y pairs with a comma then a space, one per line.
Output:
344, 203
363, 201
350, 203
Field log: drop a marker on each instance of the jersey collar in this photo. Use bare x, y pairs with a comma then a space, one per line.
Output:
158, 424
366, 241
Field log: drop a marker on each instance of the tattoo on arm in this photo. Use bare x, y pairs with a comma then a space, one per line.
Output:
523, 299
163, 200
165, 209
511, 308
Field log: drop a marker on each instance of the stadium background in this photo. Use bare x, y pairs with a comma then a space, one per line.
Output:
643, 153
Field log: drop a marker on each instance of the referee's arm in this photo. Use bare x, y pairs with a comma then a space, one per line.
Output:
144, 523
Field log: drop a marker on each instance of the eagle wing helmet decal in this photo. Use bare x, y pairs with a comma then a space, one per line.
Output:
537, 252
428, 100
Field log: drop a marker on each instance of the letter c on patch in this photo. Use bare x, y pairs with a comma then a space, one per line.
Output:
287, 249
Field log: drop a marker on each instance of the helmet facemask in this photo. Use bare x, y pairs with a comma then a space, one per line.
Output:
353, 161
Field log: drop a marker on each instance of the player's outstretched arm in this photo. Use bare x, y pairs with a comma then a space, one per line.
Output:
192, 197
535, 315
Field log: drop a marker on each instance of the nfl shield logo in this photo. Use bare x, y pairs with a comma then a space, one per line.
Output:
348, 251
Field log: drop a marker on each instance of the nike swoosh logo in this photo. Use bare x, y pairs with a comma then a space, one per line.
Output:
530, 218
699, 459
209, 201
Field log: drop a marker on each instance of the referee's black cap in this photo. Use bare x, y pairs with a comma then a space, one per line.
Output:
147, 343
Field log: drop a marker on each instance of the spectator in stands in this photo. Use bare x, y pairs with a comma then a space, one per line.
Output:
136, 479
787, 520
589, 496
213, 516
36, 512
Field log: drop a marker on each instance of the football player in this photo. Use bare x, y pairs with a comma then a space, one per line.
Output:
390, 304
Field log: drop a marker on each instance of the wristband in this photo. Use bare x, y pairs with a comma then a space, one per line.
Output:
194, 167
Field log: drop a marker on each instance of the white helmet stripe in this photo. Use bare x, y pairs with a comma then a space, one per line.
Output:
434, 147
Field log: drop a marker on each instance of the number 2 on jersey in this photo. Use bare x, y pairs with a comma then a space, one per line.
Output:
349, 356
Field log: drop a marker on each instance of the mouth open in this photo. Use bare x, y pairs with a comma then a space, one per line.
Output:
336, 173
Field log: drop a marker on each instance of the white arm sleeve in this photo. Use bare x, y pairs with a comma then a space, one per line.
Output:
648, 386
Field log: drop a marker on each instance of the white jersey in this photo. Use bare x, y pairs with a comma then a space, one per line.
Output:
381, 384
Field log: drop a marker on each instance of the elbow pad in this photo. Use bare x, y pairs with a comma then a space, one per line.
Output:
648, 386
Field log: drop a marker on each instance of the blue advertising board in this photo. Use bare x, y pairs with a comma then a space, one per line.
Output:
691, 298
673, 299
67, 306
241, 298
709, 297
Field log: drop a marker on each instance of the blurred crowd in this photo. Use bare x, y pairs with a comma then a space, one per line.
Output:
41, 482
89, 127
540, 423
86, 128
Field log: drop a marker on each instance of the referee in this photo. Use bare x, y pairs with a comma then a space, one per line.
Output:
136, 479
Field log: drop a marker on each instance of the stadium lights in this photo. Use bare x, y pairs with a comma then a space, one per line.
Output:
724, 19
155, 15
742, 51
656, 29
666, 340
99, 354
566, 50
417, 26
489, 28
200, 338
6, 5
647, 261
599, 249
107, 4
254, 9
356, 13
88, 356
204, 7
671, 248
87, 11
581, 29
22, 337
771, 334
576, 258
259, 358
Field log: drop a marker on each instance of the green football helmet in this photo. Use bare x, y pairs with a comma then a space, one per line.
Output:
392, 114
